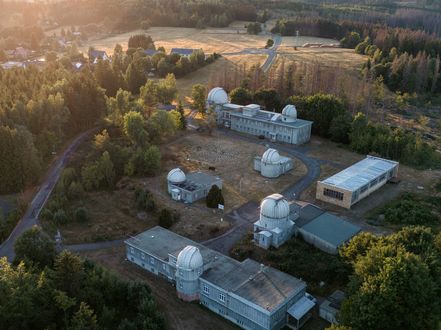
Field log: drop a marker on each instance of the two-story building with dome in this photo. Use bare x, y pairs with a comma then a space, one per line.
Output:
251, 119
249, 294
272, 164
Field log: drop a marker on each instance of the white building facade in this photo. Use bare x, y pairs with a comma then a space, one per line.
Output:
272, 165
251, 119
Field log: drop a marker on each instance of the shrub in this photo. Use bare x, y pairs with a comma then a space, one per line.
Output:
214, 197
81, 214
60, 217
165, 218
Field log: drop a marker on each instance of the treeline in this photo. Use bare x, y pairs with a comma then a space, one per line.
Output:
43, 290
402, 267
164, 13
39, 110
129, 70
127, 147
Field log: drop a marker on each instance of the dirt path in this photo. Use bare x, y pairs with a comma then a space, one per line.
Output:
179, 315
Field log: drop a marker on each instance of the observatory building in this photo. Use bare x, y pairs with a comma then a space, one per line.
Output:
249, 294
251, 119
357, 181
190, 187
271, 164
275, 225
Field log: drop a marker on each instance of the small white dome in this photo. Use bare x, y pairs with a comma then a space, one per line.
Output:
190, 258
271, 156
217, 96
274, 206
290, 111
176, 176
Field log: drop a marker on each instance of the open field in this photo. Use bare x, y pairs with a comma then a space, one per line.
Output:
206, 74
332, 57
219, 40
233, 160
179, 315
301, 40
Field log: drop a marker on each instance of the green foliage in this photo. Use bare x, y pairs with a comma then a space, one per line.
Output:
182, 119
35, 247
144, 162
141, 41
165, 218
99, 174
135, 78
241, 96
254, 28
60, 217
269, 98
404, 267
134, 128
198, 94
81, 214
214, 197
73, 294
144, 200
269, 43
351, 40
321, 109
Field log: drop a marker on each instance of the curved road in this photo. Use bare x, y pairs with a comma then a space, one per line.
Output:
30, 218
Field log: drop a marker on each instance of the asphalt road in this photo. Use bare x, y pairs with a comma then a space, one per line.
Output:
244, 216
31, 216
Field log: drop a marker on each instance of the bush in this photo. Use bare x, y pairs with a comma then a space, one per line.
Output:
60, 217
214, 197
144, 200
165, 218
81, 214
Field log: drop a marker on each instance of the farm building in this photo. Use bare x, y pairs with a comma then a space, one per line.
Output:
190, 187
249, 294
271, 164
357, 181
330, 307
251, 119
94, 55
275, 225
324, 230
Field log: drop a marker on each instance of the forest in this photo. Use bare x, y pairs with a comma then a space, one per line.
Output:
44, 289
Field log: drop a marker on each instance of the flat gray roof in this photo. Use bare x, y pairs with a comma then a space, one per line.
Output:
331, 229
202, 178
263, 286
361, 173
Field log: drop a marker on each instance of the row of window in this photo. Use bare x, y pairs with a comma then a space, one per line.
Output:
206, 290
333, 194
152, 260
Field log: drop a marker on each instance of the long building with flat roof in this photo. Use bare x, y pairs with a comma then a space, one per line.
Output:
357, 181
251, 295
252, 119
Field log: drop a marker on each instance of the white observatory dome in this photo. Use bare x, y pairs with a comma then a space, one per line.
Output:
217, 96
190, 258
176, 176
274, 206
290, 112
271, 156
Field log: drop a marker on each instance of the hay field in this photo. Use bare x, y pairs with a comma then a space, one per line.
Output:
219, 40
332, 57
301, 40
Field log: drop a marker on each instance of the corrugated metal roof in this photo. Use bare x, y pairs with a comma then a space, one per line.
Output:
361, 173
331, 229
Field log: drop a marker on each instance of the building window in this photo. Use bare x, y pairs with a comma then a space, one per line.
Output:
333, 194
132, 250
164, 267
382, 177
222, 297
143, 256
206, 289
364, 188
180, 285
374, 182
181, 273
152, 261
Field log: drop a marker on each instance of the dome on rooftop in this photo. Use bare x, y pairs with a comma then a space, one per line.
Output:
176, 176
190, 258
289, 112
271, 156
274, 206
217, 96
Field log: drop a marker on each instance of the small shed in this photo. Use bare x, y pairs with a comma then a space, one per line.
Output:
330, 307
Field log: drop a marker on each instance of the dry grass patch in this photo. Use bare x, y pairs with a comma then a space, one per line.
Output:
233, 160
